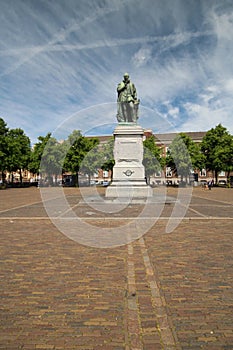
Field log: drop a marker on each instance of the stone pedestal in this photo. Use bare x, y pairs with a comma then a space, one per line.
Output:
128, 171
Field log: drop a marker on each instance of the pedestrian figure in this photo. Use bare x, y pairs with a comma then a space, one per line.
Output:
210, 184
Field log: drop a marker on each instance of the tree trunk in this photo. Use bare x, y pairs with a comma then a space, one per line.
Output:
3, 177
228, 179
216, 177
20, 176
76, 179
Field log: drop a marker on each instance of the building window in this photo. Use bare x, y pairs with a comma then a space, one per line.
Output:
168, 172
158, 174
105, 173
203, 172
222, 173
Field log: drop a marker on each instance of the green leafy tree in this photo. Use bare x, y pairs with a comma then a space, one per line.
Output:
52, 159
3, 148
227, 158
107, 156
152, 159
197, 157
217, 149
91, 162
183, 156
36, 154
79, 146
19, 151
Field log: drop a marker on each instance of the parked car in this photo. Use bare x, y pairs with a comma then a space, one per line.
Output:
99, 183
222, 183
68, 182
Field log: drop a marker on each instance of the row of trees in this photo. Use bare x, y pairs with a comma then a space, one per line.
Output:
51, 158
15, 150
214, 153
79, 154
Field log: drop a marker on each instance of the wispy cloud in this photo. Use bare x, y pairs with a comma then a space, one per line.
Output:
60, 60
25, 54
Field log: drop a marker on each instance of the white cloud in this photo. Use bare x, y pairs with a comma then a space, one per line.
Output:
58, 59
229, 86
223, 25
174, 112
141, 57
203, 118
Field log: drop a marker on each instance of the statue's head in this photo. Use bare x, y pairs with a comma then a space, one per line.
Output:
126, 77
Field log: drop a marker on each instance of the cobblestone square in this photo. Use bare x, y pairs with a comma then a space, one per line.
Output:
161, 291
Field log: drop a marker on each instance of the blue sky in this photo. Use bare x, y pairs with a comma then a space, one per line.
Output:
61, 60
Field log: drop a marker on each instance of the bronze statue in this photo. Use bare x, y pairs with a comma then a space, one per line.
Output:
127, 102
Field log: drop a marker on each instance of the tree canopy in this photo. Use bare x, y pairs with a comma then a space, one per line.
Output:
217, 148
107, 156
3, 146
52, 159
79, 147
18, 151
152, 157
36, 154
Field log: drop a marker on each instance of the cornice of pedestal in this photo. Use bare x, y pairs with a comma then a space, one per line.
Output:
128, 129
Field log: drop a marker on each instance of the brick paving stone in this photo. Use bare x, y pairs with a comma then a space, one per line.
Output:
175, 292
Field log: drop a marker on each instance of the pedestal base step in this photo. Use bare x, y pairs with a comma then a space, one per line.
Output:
129, 191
